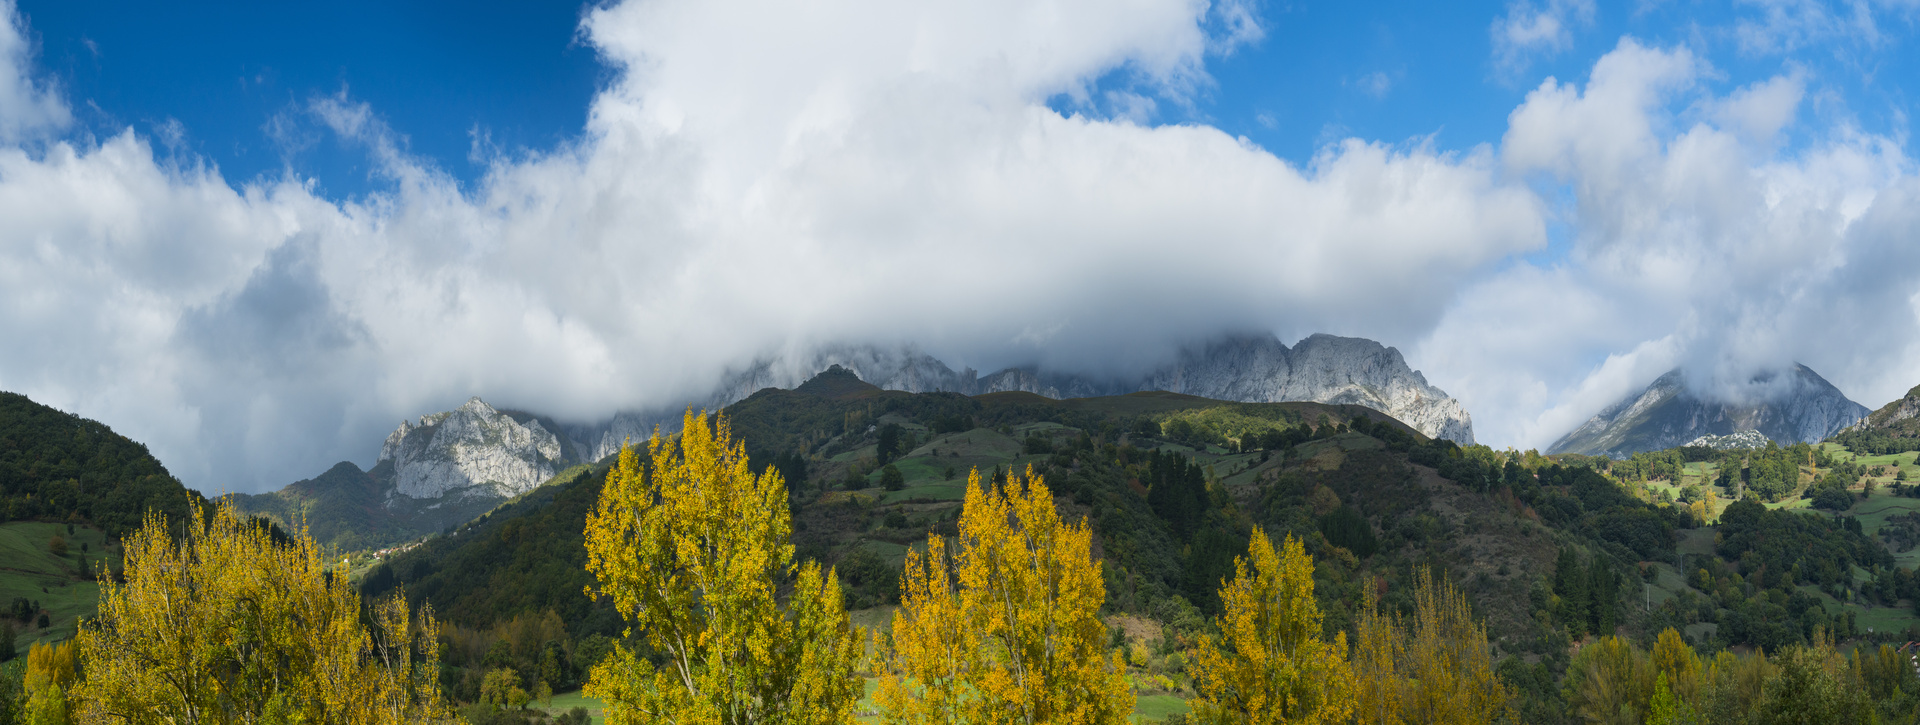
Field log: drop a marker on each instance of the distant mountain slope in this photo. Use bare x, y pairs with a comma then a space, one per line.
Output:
444, 470
1894, 428
56, 466
1668, 414
480, 574
1248, 369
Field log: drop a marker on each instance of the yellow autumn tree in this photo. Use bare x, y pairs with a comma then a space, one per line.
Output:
1378, 646
1434, 668
1674, 658
1449, 662
228, 623
1270, 663
50, 673
694, 551
1004, 628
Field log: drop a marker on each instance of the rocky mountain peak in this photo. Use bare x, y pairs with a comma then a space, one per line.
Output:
472, 448
1246, 368
1802, 407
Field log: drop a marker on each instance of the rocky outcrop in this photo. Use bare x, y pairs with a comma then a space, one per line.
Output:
1321, 369
1253, 369
1893, 417
473, 450
1739, 440
1800, 407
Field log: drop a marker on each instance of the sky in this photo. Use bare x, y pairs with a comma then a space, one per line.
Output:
255, 236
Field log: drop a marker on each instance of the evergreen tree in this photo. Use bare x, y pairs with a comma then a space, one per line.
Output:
1570, 582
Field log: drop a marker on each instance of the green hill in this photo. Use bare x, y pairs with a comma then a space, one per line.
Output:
56, 466
1172, 485
69, 489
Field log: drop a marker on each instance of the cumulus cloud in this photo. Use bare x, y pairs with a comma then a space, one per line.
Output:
856, 172
29, 109
1697, 243
758, 179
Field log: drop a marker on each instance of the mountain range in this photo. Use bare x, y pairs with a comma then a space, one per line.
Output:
1239, 368
453, 465
1804, 408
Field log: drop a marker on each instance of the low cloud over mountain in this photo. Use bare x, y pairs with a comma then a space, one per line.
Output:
758, 180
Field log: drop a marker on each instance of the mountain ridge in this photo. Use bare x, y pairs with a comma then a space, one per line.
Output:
1668, 413
1321, 368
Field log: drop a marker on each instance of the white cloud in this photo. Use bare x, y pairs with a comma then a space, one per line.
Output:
760, 177
29, 109
1779, 26
1528, 31
1694, 244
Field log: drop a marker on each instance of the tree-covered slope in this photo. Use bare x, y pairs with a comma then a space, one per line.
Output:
55, 466
1551, 552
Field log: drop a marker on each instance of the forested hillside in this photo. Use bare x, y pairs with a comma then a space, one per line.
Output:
70, 488
60, 467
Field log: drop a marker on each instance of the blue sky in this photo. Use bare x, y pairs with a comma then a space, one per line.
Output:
235, 75
256, 235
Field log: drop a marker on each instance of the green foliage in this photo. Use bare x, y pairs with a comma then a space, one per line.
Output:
888, 443
56, 466
527, 556
1346, 528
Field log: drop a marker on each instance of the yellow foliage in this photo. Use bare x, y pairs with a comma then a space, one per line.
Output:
692, 549
1269, 664
1435, 668
1673, 657
1378, 647
50, 673
1005, 629
227, 625
1608, 682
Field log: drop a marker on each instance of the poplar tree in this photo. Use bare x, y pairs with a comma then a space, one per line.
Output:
1004, 628
695, 550
1431, 669
1269, 663
233, 624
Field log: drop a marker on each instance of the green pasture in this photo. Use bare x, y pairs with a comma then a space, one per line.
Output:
1881, 619
1154, 708
29, 569
1696, 541
570, 700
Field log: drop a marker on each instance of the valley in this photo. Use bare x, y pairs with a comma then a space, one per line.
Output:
1738, 549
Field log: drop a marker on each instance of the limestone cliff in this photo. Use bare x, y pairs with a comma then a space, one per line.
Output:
1322, 369
1803, 408
472, 449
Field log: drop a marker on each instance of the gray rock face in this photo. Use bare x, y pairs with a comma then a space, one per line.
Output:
1739, 440
1253, 369
473, 449
1321, 369
1803, 408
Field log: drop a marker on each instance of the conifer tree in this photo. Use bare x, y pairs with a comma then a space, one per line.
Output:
1570, 585
1004, 628
695, 550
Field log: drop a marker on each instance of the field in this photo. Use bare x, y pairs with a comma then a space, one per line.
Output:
570, 700
31, 571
